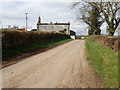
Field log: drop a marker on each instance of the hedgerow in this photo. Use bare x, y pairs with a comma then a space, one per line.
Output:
13, 38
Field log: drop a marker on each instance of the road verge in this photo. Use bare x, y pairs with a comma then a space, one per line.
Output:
104, 62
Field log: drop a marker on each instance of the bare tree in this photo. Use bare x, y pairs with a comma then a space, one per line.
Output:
95, 14
110, 10
89, 13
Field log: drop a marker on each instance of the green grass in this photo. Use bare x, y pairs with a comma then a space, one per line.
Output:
6, 52
104, 62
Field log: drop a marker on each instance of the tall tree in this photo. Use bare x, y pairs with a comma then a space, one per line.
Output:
90, 14
110, 12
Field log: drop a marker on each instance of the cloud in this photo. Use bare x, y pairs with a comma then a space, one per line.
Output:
13, 13
37, 0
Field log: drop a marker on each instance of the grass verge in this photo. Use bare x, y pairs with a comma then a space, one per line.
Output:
104, 62
7, 52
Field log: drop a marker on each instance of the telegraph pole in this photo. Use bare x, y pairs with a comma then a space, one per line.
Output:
26, 19
1, 24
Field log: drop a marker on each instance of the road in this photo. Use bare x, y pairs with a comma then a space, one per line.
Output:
62, 67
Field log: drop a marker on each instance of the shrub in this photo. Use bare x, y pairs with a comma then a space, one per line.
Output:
109, 41
13, 38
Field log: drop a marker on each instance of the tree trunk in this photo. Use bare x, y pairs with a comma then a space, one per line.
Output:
97, 32
111, 33
90, 32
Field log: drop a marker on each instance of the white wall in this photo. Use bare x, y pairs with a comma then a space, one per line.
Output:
73, 37
51, 28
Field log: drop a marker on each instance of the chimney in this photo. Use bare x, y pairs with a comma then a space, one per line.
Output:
39, 19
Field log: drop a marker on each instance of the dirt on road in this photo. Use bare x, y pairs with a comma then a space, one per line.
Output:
62, 67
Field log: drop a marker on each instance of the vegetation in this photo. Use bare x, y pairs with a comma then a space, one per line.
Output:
6, 52
17, 42
13, 38
94, 14
104, 62
110, 42
63, 31
90, 16
110, 11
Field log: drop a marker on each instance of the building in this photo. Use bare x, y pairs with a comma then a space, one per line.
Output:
53, 27
72, 34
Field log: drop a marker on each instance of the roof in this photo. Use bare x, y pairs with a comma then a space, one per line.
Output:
53, 23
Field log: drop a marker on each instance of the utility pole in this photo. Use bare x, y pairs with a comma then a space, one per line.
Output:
26, 19
1, 24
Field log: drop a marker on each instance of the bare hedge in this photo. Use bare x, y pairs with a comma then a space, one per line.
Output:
12, 38
109, 41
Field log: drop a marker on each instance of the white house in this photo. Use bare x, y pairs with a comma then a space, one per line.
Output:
53, 27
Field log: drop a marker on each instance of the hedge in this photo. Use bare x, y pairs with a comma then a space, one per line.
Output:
13, 38
111, 42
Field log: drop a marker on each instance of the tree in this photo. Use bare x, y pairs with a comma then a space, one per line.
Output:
95, 20
63, 31
110, 10
97, 13
90, 14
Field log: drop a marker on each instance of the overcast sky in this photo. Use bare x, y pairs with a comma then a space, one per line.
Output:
13, 13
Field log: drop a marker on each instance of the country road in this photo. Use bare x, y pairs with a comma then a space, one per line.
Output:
62, 67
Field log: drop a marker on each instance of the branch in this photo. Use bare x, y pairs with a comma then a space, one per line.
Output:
117, 23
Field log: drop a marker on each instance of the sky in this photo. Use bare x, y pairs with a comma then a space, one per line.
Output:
13, 13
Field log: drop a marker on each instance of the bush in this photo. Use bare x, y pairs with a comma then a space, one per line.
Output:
13, 38
109, 41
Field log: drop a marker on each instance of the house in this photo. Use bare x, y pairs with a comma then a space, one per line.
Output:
72, 34
53, 27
